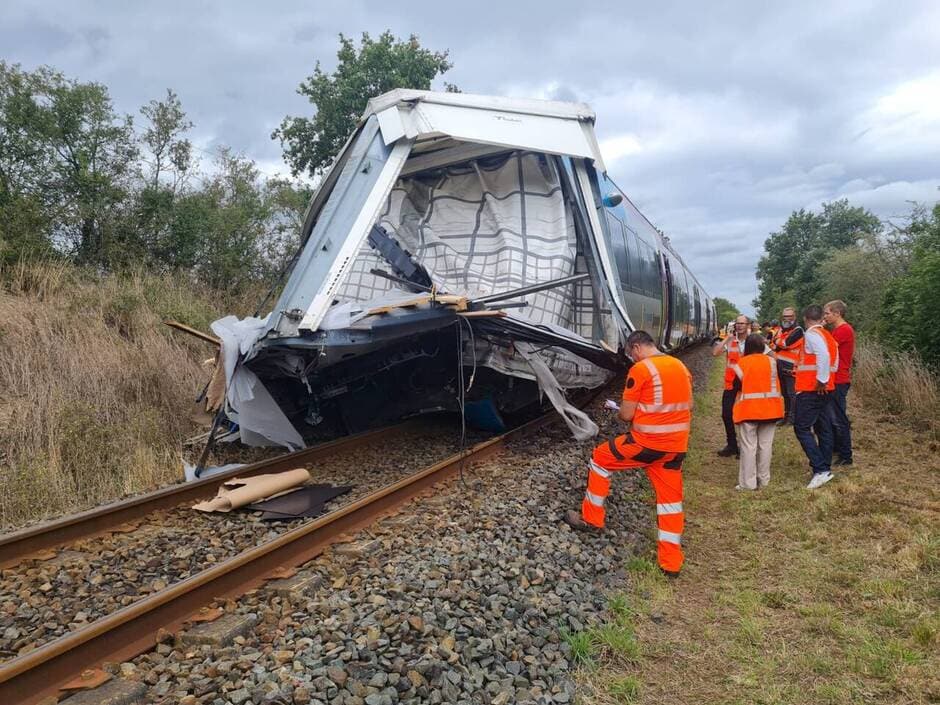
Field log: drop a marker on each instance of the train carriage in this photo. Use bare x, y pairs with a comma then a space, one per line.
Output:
464, 253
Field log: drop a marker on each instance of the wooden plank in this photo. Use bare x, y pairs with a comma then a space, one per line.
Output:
192, 331
409, 303
483, 314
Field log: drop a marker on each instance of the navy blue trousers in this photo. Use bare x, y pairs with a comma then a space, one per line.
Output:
841, 426
787, 382
812, 425
727, 417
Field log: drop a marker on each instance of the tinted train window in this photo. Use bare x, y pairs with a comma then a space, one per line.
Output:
636, 260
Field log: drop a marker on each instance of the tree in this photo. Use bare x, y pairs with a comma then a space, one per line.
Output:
27, 199
377, 66
912, 301
725, 310
858, 275
65, 154
170, 152
789, 272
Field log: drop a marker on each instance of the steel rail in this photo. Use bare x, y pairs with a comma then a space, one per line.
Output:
134, 629
16, 546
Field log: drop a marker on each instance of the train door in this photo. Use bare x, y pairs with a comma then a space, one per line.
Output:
669, 305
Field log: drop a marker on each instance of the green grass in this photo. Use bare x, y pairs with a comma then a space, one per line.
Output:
788, 597
625, 689
582, 647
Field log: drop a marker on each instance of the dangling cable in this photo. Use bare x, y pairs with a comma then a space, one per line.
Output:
473, 350
461, 398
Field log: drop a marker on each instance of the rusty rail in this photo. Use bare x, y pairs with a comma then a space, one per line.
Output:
16, 546
130, 631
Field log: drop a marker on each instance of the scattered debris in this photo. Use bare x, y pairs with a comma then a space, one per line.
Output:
239, 492
308, 501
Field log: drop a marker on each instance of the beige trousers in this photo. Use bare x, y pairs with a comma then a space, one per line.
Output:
756, 441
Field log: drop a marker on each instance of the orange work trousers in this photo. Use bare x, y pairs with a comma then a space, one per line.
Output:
664, 470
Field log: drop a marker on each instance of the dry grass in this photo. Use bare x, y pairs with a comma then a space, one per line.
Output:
94, 390
790, 596
899, 384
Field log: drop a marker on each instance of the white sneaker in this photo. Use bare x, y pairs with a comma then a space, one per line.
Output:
819, 479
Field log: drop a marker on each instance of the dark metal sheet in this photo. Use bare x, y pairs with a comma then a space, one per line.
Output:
307, 501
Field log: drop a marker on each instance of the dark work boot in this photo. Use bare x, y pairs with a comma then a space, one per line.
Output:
574, 520
671, 574
727, 452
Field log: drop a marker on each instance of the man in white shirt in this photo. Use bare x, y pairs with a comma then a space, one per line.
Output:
812, 423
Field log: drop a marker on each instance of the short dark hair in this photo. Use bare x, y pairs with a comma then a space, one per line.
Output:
754, 343
639, 337
813, 312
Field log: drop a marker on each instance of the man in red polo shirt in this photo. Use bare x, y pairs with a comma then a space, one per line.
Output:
834, 316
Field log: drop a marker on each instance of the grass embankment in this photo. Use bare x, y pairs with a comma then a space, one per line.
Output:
788, 596
95, 393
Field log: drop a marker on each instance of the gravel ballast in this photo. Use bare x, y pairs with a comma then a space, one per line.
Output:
41, 600
460, 598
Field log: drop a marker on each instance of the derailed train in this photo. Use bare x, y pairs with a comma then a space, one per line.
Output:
464, 253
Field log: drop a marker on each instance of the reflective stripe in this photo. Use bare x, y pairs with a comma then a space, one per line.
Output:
661, 428
657, 381
733, 347
599, 470
669, 508
759, 395
773, 378
594, 499
665, 408
806, 368
670, 537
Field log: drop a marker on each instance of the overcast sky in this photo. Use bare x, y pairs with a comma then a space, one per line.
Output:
717, 119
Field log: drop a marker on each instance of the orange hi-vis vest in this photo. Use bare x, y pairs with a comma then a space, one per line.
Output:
806, 365
663, 414
733, 354
760, 398
787, 353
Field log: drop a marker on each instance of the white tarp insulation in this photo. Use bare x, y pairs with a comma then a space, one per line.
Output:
496, 224
489, 226
247, 402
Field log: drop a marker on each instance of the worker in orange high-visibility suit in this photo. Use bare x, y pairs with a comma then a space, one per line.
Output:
657, 400
733, 348
757, 408
786, 344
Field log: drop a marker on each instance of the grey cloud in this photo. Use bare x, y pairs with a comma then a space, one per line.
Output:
723, 118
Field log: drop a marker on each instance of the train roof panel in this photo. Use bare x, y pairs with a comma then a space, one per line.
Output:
538, 125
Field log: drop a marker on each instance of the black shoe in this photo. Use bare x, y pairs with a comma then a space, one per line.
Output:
841, 462
728, 451
671, 574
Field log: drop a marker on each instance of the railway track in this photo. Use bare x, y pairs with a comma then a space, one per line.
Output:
37, 674
42, 537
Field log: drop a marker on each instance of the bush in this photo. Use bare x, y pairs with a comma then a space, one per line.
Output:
900, 383
94, 389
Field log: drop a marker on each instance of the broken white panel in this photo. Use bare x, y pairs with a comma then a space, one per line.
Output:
247, 402
609, 271
580, 424
515, 130
351, 241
